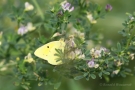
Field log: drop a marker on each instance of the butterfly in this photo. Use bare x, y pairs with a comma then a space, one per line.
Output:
48, 51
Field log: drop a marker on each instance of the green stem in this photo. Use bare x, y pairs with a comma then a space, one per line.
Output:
129, 40
39, 9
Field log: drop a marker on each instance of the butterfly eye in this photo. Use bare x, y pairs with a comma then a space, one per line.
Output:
47, 46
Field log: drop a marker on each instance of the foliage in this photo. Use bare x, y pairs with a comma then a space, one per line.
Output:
73, 23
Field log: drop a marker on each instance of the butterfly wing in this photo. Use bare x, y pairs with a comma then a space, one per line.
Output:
47, 51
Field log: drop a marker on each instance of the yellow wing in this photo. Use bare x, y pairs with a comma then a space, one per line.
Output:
47, 51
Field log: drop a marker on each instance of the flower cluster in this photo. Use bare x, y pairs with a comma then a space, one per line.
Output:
24, 29
95, 53
98, 53
72, 51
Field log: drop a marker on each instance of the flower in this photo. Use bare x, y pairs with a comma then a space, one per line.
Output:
131, 18
71, 43
28, 6
76, 33
108, 7
66, 6
118, 63
91, 19
30, 26
116, 72
97, 53
91, 63
132, 56
22, 30
29, 58
79, 54
71, 55
96, 65
56, 34
76, 54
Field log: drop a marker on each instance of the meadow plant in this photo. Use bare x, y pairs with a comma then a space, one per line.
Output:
71, 22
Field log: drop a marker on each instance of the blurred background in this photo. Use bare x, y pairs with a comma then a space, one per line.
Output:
109, 28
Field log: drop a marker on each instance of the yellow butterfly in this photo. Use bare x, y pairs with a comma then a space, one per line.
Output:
48, 50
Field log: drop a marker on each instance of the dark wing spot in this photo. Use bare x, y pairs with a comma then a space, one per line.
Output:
47, 46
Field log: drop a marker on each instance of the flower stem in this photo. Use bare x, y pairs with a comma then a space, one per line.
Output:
39, 9
129, 40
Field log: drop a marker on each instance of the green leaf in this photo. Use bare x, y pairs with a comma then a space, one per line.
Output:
93, 76
107, 79
123, 74
25, 87
119, 46
86, 74
128, 70
100, 74
105, 72
57, 85
79, 77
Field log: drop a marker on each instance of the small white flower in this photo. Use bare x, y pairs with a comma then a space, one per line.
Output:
30, 26
97, 53
29, 58
79, 54
103, 49
28, 6
91, 64
76, 54
71, 55
131, 18
67, 6
92, 51
71, 42
132, 56
96, 65
22, 30
116, 72
118, 63
91, 19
